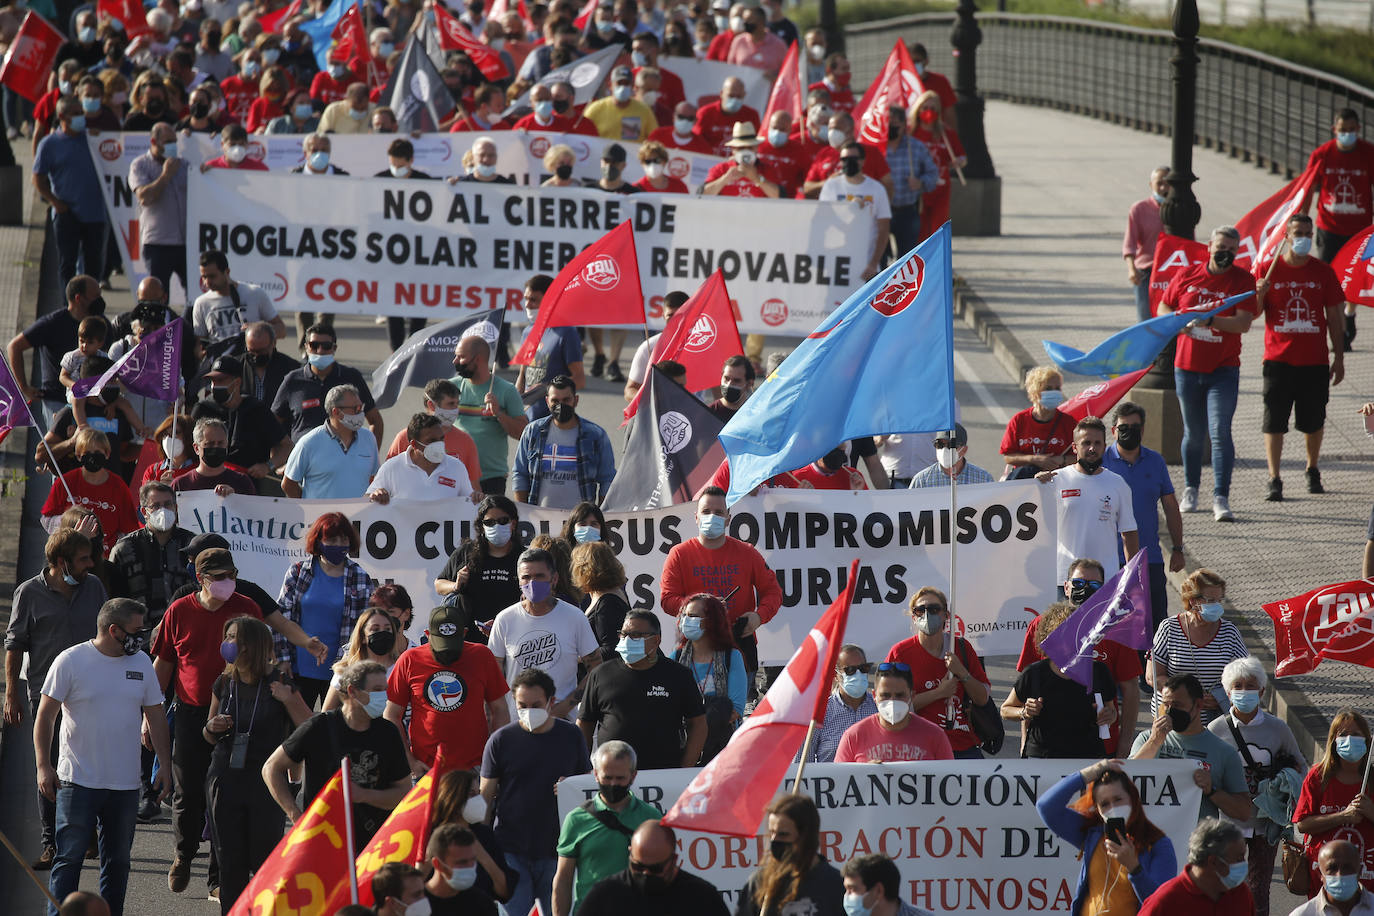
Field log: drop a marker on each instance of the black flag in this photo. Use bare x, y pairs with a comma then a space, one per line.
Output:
672, 449
586, 75
428, 354
417, 92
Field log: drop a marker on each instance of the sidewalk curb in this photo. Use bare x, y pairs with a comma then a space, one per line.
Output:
1288, 703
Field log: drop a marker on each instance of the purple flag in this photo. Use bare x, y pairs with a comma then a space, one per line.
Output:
1119, 611
152, 368
14, 411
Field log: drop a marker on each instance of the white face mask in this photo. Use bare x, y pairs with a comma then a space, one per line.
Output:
434, 452
893, 711
419, 908
746, 157
654, 170
162, 519
448, 416
475, 810
172, 447
236, 154
1121, 811
531, 719
948, 457
836, 137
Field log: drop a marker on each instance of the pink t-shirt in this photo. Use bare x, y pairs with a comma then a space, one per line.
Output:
1143, 226
866, 741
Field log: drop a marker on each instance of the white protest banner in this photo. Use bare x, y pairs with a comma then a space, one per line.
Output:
112, 154
964, 834
808, 538
702, 81
428, 249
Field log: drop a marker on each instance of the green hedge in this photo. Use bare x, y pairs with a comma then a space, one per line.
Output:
1342, 52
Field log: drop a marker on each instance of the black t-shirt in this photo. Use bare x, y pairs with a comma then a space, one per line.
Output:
51, 337
821, 893
688, 895
1067, 725
606, 616
257, 714
300, 399
377, 758
253, 430
645, 708
471, 902
488, 591
721, 411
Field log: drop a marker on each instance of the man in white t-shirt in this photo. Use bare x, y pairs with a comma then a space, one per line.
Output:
852, 185
540, 631
105, 688
228, 306
1094, 505
424, 470
639, 366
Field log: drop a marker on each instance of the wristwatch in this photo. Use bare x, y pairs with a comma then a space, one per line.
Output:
1178, 548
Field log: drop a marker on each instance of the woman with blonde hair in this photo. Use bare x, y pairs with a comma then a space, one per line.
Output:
1039, 438
269, 103
793, 878
376, 638
559, 162
1331, 805
1198, 642
599, 576
928, 127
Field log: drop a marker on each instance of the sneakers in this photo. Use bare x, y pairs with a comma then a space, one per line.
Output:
613, 372
44, 861
1349, 332
1275, 490
1189, 501
148, 806
1314, 481
1221, 509
179, 875
598, 364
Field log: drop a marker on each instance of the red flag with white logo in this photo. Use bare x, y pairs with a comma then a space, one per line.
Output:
129, 13
350, 42
454, 37
728, 796
702, 335
1098, 400
599, 287
1262, 229
31, 56
789, 91
1172, 255
1355, 268
1333, 622
898, 86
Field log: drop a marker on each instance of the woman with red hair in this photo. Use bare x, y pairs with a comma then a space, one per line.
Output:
324, 594
1125, 857
706, 647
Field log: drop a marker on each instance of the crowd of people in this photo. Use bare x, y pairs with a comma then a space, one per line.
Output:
154, 672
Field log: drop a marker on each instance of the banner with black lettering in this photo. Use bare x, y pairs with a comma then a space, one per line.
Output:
1005, 554
433, 250
966, 836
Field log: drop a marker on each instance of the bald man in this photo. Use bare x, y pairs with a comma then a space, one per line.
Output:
84, 903
715, 120
655, 882
158, 180
1338, 864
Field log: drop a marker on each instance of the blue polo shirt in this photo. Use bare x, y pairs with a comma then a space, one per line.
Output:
1149, 480
326, 470
67, 163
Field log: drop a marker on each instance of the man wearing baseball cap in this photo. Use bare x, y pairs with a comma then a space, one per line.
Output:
257, 441
454, 690
951, 447
621, 116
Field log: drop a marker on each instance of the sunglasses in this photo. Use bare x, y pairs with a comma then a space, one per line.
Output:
320, 346
644, 868
851, 670
1091, 585
894, 666
490, 522
1123, 427
929, 609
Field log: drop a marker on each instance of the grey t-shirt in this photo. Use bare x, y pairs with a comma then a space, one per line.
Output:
1220, 758
215, 316
558, 469
1266, 738
44, 624
162, 222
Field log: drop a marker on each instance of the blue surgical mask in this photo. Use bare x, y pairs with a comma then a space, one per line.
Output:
639, 59
731, 104
711, 526
1159, 198
376, 703
485, 169
338, 70
304, 111
270, 55
683, 126
1302, 245
623, 92
460, 879
89, 105
854, 685
356, 115
78, 123
1246, 701
1211, 611
69, 579
543, 109
386, 48
693, 628
86, 35
777, 138
319, 161
854, 905
536, 591
169, 150
1051, 398
497, 535
1236, 874
585, 534
632, 650
320, 360
1347, 138
1341, 887
1351, 747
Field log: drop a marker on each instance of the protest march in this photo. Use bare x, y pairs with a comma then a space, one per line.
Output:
781, 638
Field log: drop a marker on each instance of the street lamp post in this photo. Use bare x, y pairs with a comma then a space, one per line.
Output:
976, 202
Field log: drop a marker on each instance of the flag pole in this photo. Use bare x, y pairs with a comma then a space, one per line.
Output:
1364, 784
952, 158
351, 867
806, 751
42, 435
1274, 263
28, 870
951, 710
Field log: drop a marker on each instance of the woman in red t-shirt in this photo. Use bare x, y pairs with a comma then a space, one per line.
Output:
940, 681
93, 486
1331, 806
654, 157
1038, 438
928, 127
175, 454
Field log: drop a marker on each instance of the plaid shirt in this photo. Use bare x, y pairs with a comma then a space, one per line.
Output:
839, 715
595, 460
911, 159
358, 588
935, 476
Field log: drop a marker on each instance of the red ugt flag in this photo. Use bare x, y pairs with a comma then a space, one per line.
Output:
1262, 229
1334, 621
350, 40
702, 336
130, 14
598, 287
1172, 255
1098, 400
729, 795
789, 91
454, 37
1355, 269
31, 56
898, 86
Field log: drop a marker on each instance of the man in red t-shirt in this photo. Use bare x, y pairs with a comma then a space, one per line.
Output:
715, 120
1301, 300
741, 175
681, 133
783, 155
1216, 852
241, 89
831, 472
455, 691
894, 734
485, 114
836, 82
1207, 364
1344, 192
826, 165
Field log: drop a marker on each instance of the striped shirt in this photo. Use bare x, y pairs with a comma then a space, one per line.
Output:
910, 159
1176, 653
934, 476
839, 715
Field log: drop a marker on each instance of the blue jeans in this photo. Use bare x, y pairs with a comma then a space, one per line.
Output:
1142, 297
79, 810
1208, 402
536, 880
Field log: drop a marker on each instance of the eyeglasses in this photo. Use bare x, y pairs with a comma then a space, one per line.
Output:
851, 670
1091, 585
894, 666
625, 635
490, 522
319, 346
644, 868
946, 443
1126, 427
928, 609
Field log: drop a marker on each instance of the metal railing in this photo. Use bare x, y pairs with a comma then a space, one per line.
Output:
1252, 106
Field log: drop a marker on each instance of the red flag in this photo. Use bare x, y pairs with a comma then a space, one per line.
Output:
129, 13
309, 868
404, 833
789, 91
701, 336
598, 287
1355, 269
1262, 228
499, 8
276, 20
585, 16
1172, 254
728, 796
454, 37
1098, 400
898, 86
31, 56
1334, 621
350, 40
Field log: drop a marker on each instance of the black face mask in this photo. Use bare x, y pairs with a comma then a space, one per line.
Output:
613, 794
214, 456
779, 850
834, 460
563, 413
561, 106
852, 167
109, 394
446, 656
155, 107
1090, 466
610, 171
564, 171
1080, 594
731, 394
1179, 719
96, 306
894, 131
258, 360
200, 110
1224, 259
132, 643
93, 461
220, 394
464, 370
649, 885
1128, 439
381, 642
